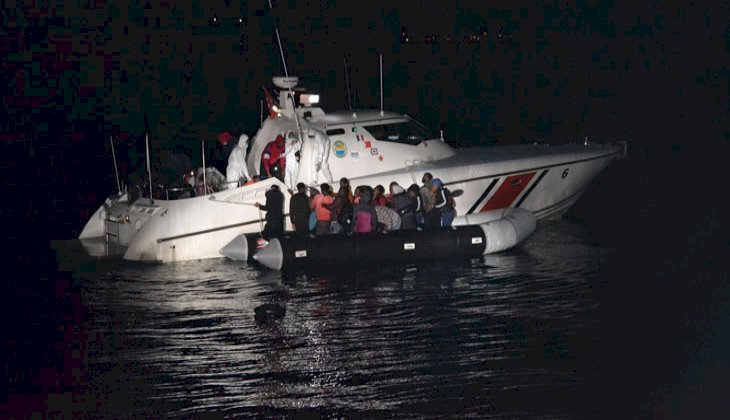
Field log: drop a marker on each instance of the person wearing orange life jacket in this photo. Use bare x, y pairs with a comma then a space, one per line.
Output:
322, 207
272, 159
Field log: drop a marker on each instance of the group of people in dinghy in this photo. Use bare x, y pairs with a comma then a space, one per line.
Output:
365, 210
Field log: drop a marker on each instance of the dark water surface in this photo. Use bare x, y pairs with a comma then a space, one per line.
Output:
528, 333
621, 309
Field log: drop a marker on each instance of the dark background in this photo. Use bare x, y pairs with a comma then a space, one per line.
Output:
74, 74
656, 75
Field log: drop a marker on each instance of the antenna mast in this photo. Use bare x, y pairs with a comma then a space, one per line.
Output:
347, 83
149, 167
116, 171
205, 181
381, 84
286, 73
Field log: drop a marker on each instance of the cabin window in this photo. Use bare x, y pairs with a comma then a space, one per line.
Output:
407, 132
336, 132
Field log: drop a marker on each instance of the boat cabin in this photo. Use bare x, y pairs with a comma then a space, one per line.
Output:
361, 142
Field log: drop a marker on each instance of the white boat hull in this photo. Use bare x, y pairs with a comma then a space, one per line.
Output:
546, 180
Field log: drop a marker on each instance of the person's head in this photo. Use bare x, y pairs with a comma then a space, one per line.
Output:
326, 189
378, 190
186, 176
365, 192
395, 188
427, 177
224, 138
301, 188
413, 190
243, 140
344, 182
279, 142
436, 184
274, 188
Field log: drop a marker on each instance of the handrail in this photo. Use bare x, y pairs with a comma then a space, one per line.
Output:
167, 190
216, 229
410, 163
202, 232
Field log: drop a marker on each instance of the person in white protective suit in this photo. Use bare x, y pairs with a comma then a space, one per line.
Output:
293, 146
320, 154
214, 181
236, 171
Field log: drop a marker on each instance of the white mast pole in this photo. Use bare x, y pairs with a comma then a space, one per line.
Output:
381, 84
347, 83
149, 167
116, 170
286, 73
205, 182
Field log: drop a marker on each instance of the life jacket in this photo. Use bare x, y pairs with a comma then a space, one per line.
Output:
271, 155
323, 213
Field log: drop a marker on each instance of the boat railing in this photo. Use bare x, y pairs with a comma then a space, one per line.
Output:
410, 163
255, 191
182, 193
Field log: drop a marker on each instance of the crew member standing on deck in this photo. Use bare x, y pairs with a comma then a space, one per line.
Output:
272, 159
291, 159
236, 171
320, 154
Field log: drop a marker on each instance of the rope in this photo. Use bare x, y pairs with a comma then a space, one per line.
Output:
261, 219
409, 168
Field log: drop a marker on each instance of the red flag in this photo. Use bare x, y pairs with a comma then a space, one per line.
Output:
269, 103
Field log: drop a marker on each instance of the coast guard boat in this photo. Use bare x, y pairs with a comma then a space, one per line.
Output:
369, 147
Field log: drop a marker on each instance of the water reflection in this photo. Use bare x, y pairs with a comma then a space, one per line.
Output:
463, 337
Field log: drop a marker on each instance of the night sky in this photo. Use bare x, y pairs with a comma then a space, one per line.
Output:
74, 73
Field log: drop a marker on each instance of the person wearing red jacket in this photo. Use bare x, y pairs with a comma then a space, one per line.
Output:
272, 159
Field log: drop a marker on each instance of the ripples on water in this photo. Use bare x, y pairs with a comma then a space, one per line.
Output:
516, 334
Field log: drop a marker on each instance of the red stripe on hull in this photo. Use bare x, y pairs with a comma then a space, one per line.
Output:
508, 191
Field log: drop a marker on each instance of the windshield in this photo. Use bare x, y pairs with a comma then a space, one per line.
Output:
409, 132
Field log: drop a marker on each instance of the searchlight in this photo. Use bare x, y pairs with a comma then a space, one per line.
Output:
308, 99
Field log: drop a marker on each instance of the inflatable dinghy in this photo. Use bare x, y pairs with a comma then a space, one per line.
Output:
470, 236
